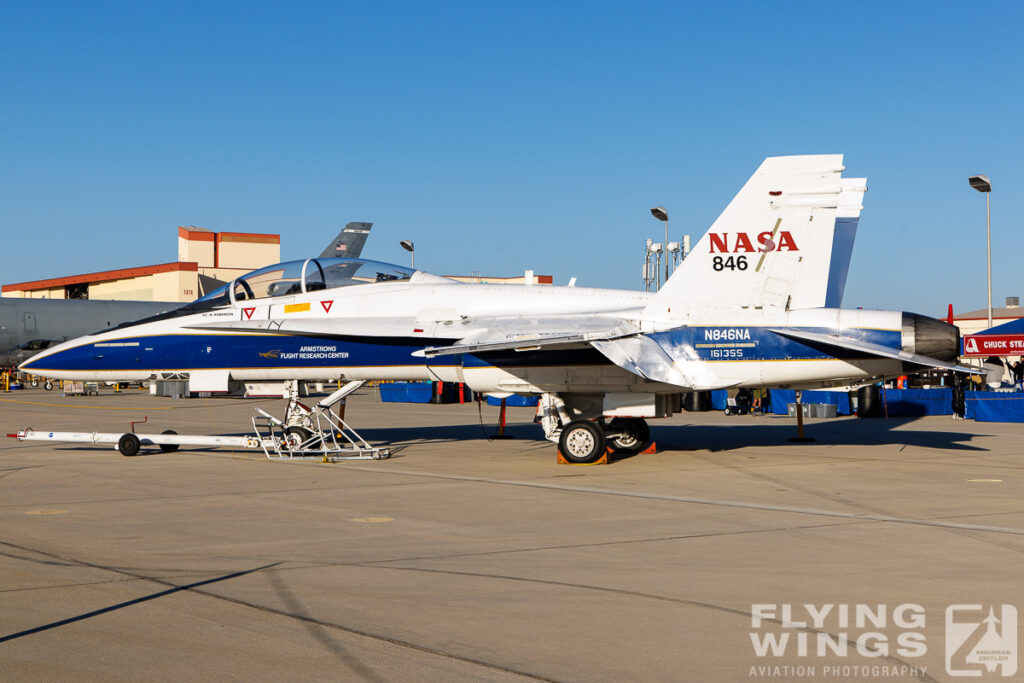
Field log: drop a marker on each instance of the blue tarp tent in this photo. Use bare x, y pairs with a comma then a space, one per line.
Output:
916, 402
995, 406
1002, 340
406, 392
718, 399
1012, 327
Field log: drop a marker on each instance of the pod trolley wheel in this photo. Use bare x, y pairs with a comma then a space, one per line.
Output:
129, 445
168, 447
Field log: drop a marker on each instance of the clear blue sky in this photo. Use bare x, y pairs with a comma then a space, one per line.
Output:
501, 136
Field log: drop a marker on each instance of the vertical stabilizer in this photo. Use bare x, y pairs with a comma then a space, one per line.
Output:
349, 242
776, 245
847, 217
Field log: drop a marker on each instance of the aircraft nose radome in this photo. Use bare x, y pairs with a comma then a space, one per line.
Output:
930, 337
31, 364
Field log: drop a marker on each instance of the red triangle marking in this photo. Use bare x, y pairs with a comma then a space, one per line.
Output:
248, 312
327, 305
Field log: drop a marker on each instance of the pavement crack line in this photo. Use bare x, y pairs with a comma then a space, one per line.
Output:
600, 544
68, 585
195, 496
842, 500
196, 587
628, 593
866, 517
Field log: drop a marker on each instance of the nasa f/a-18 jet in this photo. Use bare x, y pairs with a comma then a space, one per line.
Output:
28, 326
754, 304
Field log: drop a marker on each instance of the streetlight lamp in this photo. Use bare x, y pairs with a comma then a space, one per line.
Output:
661, 214
411, 248
981, 183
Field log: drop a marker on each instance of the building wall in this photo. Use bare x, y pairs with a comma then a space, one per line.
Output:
223, 256
247, 250
177, 286
129, 289
51, 293
197, 246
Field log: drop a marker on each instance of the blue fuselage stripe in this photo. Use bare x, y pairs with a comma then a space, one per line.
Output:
202, 351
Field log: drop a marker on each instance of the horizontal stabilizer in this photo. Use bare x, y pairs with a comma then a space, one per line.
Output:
869, 348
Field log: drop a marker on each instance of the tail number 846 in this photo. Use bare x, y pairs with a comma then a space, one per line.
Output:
729, 263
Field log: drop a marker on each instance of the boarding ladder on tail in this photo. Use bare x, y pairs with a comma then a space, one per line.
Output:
314, 433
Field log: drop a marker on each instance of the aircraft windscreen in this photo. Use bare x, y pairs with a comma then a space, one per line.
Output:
348, 272
287, 278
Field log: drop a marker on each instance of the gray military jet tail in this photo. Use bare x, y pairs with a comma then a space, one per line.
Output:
349, 242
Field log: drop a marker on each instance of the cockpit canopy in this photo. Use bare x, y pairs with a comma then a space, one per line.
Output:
296, 277
291, 277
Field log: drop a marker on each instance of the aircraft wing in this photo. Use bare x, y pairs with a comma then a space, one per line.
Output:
621, 343
512, 341
869, 348
643, 356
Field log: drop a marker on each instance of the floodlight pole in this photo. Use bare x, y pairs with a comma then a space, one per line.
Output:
661, 214
666, 247
981, 183
988, 240
411, 248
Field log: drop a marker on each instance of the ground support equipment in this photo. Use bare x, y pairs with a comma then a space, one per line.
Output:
314, 433
304, 434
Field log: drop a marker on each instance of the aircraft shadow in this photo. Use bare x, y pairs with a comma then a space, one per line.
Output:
777, 432
693, 437
717, 437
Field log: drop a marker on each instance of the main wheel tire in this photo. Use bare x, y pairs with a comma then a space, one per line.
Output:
633, 434
582, 441
168, 447
48, 385
34, 382
129, 445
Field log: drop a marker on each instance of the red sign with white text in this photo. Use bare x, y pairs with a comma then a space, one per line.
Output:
994, 345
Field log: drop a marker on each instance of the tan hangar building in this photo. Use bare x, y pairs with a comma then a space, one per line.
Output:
206, 260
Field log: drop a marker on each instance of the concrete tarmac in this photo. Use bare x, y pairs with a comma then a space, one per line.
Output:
467, 559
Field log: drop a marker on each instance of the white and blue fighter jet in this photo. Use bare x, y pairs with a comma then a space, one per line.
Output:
754, 304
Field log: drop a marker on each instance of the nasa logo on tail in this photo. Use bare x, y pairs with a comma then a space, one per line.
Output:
742, 242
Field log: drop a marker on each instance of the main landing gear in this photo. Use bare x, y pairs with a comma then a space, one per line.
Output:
577, 424
586, 441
